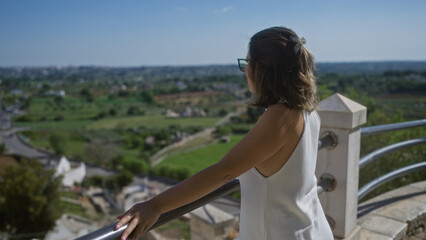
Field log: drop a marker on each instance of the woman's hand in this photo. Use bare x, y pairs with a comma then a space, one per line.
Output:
140, 218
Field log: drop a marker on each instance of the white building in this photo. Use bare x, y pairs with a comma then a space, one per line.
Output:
171, 114
70, 175
60, 93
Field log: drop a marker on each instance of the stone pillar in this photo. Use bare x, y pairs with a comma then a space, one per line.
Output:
343, 117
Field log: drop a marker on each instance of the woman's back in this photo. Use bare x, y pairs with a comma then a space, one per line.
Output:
285, 205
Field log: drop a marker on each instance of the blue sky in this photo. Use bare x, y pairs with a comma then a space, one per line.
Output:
190, 32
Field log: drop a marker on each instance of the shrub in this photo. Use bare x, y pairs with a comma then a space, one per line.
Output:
95, 181
135, 166
183, 173
223, 130
2, 149
135, 141
58, 143
124, 178
240, 129
147, 97
25, 118
100, 115
59, 118
176, 173
223, 112
133, 110
113, 112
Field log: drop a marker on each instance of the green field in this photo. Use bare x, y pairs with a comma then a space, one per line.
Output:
78, 108
151, 121
411, 106
55, 125
201, 158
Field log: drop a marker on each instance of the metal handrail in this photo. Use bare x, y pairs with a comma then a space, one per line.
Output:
365, 131
367, 188
391, 148
109, 232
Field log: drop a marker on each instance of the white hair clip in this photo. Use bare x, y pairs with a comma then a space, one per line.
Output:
295, 39
298, 42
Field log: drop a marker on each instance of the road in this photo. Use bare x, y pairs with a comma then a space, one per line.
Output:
16, 146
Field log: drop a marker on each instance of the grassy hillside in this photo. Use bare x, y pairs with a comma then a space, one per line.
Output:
151, 121
201, 158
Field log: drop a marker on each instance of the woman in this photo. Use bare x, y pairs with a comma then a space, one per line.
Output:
275, 160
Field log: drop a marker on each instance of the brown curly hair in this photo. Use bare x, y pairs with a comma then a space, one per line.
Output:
281, 69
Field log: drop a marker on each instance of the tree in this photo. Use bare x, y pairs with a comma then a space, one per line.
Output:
28, 197
58, 99
147, 97
26, 103
223, 112
254, 113
58, 142
100, 151
100, 115
124, 178
95, 180
223, 130
2, 148
87, 94
117, 182
135, 166
45, 87
133, 110
135, 141
112, 112
24, 118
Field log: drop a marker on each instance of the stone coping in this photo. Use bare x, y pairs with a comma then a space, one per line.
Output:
394, 215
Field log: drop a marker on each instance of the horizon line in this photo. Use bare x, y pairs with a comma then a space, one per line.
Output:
191, 65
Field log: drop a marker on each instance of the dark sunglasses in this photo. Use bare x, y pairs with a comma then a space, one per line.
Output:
242, 64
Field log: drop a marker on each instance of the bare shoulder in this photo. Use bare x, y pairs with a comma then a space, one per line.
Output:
281, 116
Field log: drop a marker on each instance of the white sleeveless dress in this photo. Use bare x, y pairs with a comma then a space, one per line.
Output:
285, 205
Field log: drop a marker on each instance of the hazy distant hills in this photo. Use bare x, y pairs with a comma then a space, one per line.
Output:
369, 67
199, 71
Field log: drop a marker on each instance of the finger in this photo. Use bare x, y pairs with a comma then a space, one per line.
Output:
145, 229
138, 232
125, 219
132, 225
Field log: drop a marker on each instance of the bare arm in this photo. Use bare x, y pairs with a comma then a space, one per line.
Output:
258, 145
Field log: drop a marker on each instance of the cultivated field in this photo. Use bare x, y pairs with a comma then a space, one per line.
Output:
201, 158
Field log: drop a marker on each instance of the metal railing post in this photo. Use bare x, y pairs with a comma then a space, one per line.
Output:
341, 118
